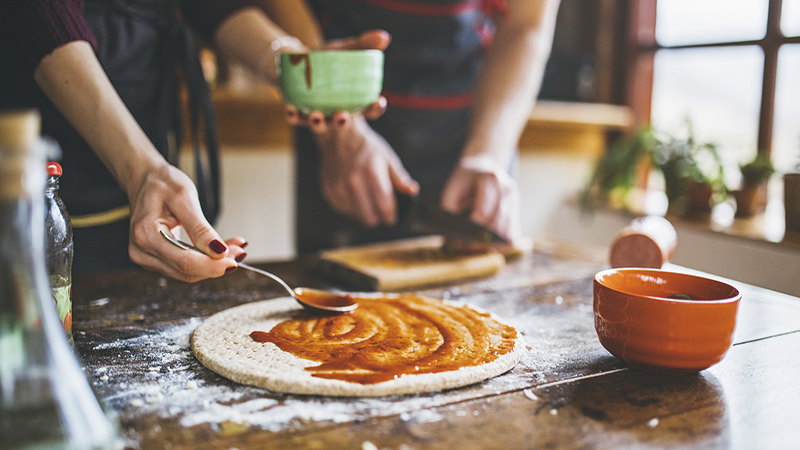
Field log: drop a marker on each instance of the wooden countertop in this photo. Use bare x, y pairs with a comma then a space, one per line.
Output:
132, 335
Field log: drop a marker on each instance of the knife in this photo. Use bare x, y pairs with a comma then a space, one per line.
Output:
424, 217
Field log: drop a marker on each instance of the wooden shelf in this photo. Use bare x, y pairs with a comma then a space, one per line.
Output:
569, 126
767, 228
255, 118
252, 118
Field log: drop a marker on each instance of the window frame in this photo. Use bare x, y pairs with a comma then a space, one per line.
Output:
641, 45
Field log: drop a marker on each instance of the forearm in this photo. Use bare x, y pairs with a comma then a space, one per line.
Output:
74, 81
510, 79
254, 40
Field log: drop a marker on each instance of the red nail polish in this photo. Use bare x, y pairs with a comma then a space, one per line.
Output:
316, 121
230, 269
217, 247
341, 122
244, 245
241, 257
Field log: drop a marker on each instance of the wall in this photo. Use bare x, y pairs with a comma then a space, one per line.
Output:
258, 200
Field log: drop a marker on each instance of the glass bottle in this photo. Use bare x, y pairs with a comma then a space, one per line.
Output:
58, 244
45, 399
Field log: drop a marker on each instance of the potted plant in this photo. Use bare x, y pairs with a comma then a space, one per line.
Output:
615, 174
751, 197
693, 172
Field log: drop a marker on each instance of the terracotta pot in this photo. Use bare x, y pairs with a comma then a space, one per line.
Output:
697, 198
791, 201
750, 200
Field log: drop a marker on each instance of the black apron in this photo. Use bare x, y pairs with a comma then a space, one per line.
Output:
430, 72
143, 47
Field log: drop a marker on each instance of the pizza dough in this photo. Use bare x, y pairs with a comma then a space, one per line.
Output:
432, 335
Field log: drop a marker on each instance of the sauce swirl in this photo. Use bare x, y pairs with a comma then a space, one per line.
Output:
387, 338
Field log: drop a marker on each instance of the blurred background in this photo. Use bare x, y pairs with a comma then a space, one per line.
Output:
720, 73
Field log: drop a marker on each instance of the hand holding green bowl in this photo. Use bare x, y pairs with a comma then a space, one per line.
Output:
331, 80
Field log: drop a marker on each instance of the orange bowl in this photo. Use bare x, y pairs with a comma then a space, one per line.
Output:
638, 322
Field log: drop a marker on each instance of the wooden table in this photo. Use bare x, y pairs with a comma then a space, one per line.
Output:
132, 334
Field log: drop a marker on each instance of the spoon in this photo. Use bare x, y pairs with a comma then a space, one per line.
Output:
311, 299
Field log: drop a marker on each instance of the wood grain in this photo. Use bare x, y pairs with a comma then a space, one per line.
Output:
132, 328
404, 264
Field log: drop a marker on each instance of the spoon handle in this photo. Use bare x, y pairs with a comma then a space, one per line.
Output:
180, 244
274, 277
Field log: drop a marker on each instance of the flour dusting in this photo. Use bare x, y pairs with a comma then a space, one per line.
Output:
164, 378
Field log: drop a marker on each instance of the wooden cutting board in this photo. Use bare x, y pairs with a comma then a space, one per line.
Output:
404, 264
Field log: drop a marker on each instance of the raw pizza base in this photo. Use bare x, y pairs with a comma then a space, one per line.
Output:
223, 344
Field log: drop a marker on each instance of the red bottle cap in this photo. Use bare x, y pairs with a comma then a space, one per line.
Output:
54, 168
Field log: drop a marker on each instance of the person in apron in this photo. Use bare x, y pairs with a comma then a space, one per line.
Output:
104, 76
460, 78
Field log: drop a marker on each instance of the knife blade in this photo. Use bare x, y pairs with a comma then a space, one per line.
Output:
422, 216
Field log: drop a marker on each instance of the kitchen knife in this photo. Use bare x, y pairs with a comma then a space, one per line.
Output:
421, 216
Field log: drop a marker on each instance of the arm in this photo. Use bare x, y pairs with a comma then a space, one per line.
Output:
160, 195
359, 171
505, 96
253, 39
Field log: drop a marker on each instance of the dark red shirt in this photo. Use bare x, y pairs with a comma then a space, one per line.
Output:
32, 29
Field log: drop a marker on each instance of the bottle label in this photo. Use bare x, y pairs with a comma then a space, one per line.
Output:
62, 295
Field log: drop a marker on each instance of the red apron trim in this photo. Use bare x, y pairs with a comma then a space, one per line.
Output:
490, 7
428, 102
423, 9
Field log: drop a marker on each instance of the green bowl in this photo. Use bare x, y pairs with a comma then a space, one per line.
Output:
332, 80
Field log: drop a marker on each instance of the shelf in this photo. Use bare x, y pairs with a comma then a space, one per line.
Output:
255, 118
767, 228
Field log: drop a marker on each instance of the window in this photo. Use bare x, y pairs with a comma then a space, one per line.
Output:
731, 67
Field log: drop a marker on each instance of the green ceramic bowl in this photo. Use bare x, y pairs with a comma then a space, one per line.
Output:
332, 80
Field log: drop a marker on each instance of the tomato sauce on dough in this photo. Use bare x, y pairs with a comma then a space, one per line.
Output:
387, 338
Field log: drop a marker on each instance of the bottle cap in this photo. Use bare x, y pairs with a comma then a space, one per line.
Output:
54, 169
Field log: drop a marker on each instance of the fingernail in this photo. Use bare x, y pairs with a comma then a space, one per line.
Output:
217, 247
241, 257
316, 121
341, 122
290, 114
230, 269
244, 245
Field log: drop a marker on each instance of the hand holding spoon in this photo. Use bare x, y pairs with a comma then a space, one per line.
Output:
311, 299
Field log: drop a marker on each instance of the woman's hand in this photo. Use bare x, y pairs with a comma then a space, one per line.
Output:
359, 171
166, 199
480, 185
161, 196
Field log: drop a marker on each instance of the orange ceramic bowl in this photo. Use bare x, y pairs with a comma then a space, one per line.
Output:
637, 322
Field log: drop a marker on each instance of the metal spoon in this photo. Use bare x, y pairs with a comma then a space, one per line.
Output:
311, 299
